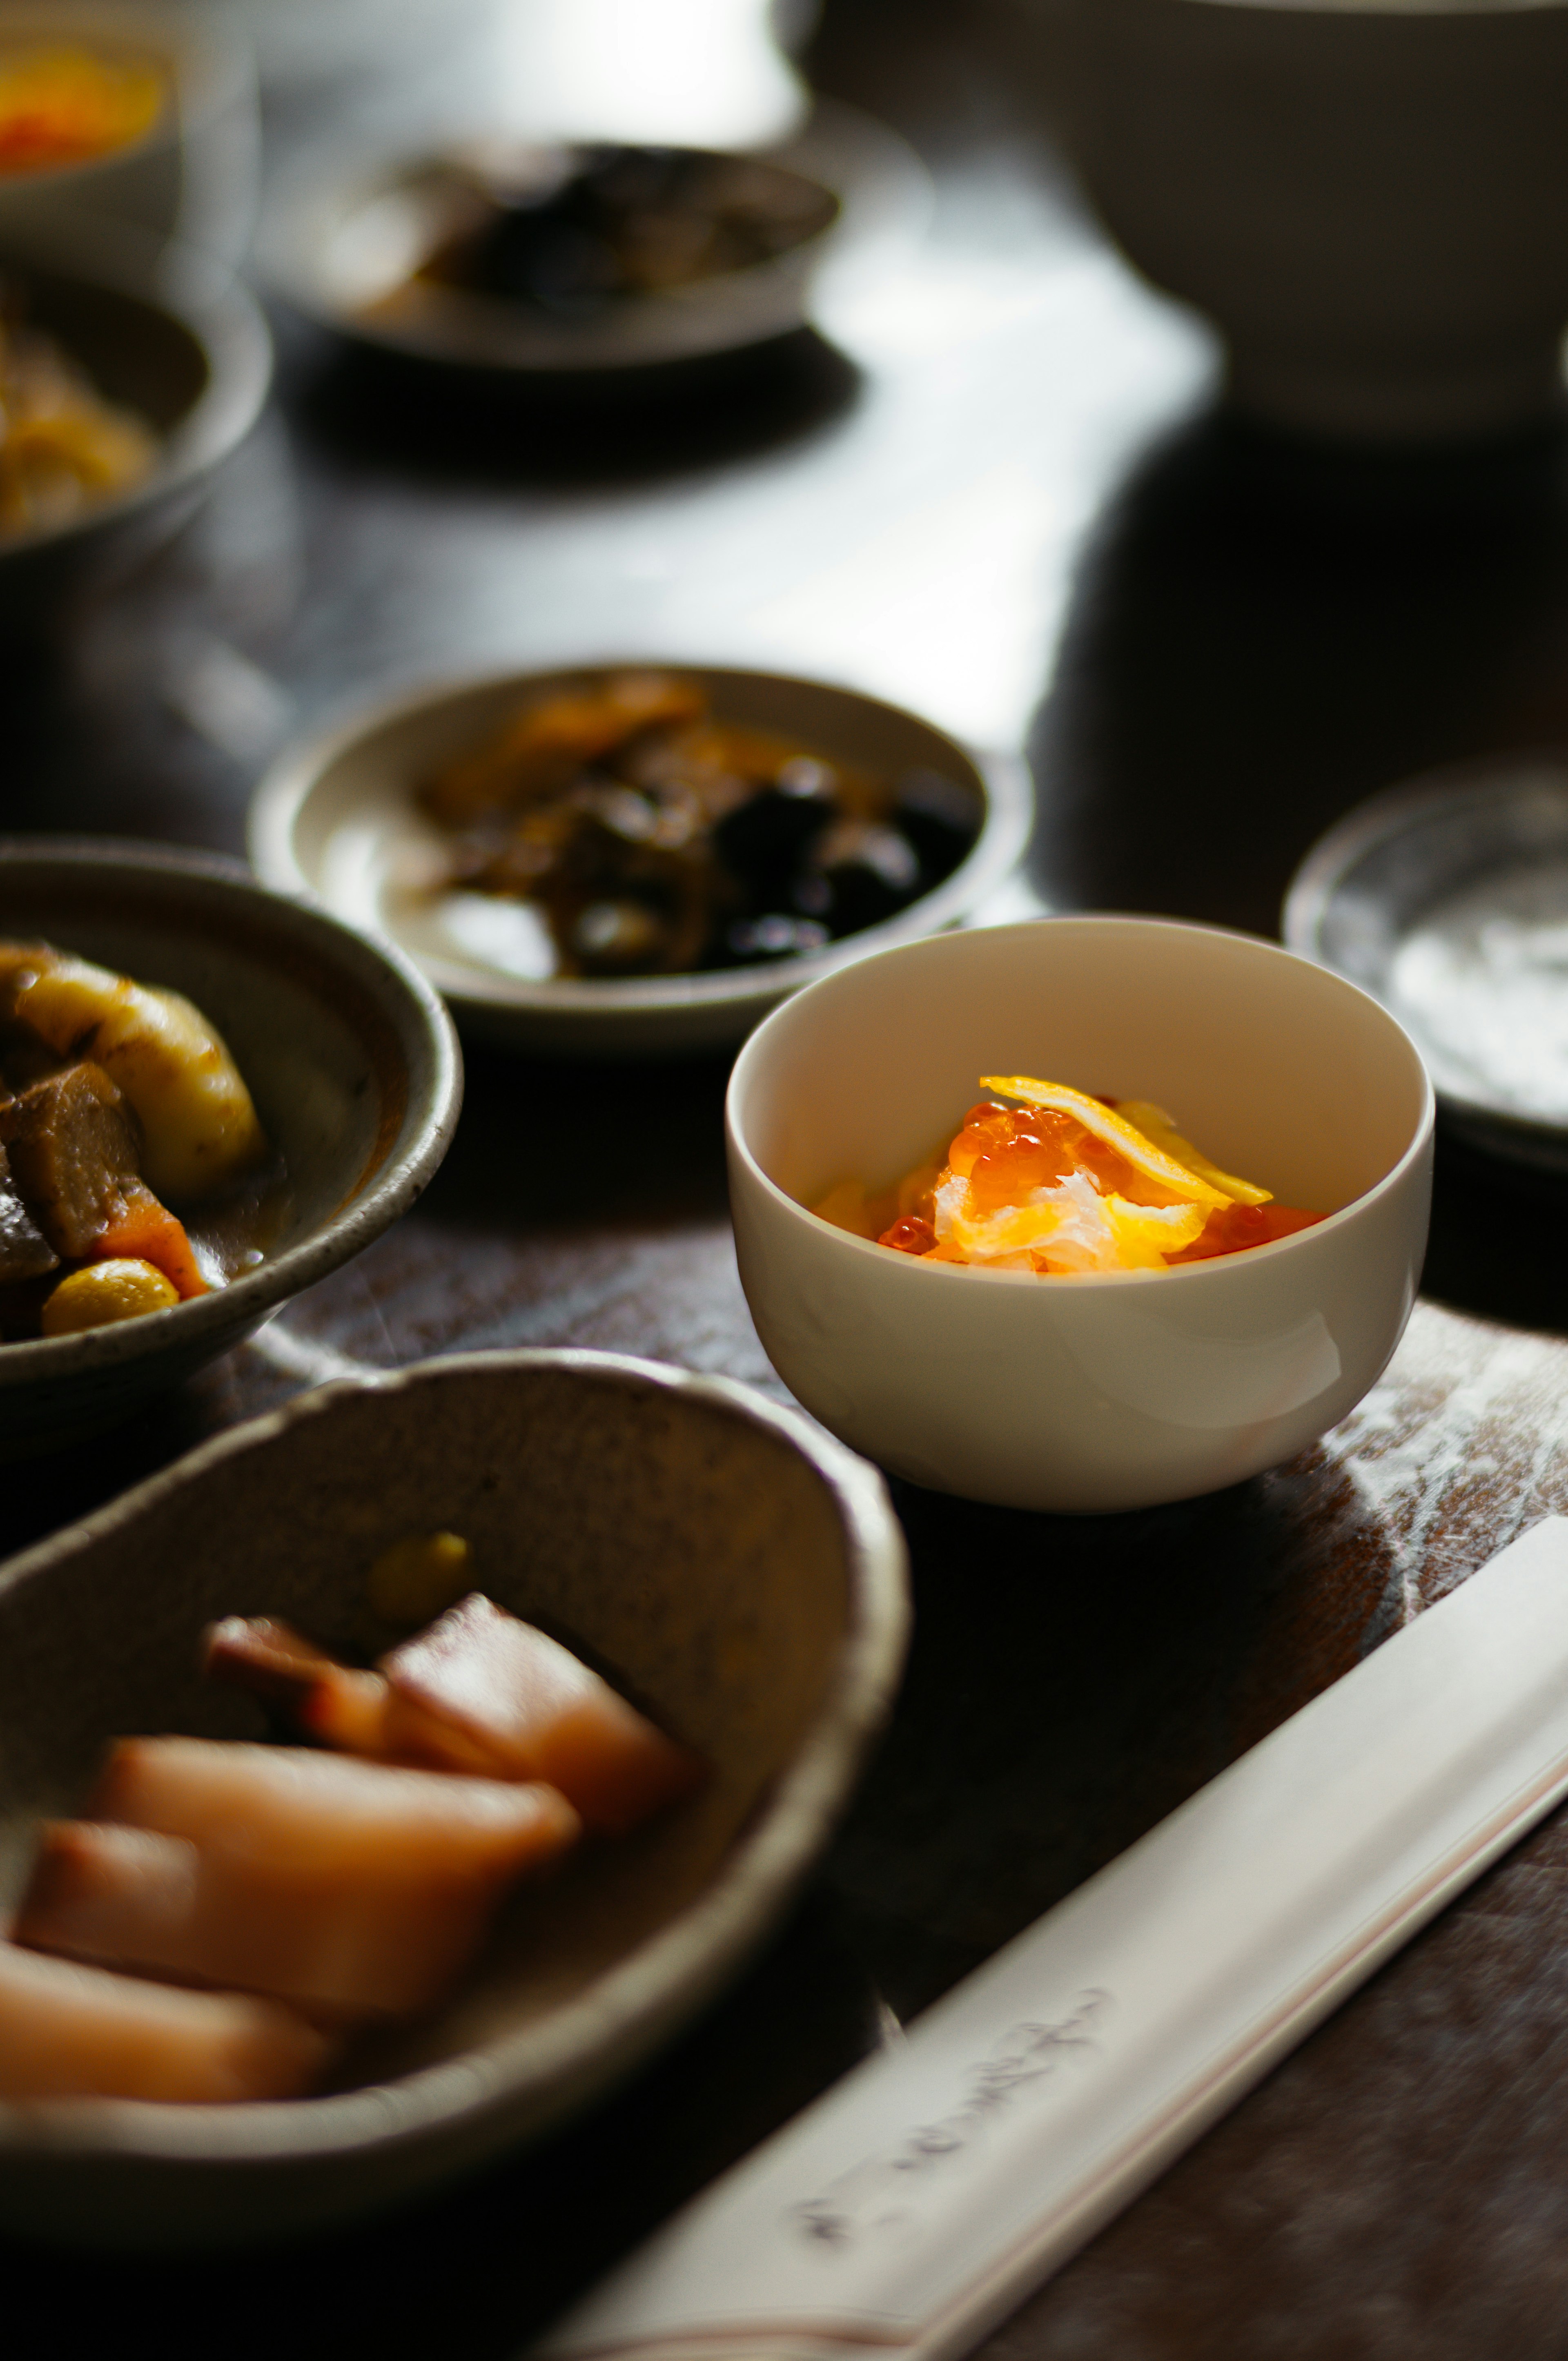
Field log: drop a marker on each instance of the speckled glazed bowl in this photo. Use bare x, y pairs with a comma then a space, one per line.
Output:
740, 1573
167, 333
350, 1054
1105, 1390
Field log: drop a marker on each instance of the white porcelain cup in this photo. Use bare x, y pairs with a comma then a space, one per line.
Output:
1369, 197
1112, 1390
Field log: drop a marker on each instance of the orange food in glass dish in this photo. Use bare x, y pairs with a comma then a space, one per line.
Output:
1066, 1183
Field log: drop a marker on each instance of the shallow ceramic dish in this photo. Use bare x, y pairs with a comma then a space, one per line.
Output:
336, 816
740, 1573
341, 251
349, 1056
1370, 197
168, 334
1113, 1390
1448, 899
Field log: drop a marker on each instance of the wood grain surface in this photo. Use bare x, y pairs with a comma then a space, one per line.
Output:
1004, 493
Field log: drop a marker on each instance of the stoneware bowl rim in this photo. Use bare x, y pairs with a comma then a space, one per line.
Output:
292, 779
394, 1186
1189, 1275
646, 1987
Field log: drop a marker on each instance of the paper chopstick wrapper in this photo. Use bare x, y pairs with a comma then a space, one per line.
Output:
921, 2198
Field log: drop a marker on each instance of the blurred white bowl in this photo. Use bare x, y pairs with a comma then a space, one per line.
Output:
195, 175
340, 248
1112, 1390
1369, 196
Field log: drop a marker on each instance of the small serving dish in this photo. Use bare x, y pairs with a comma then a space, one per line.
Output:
337, 817
1447, 899
1104, 1390
737, 1571
168, 336
349, 1056
347, 250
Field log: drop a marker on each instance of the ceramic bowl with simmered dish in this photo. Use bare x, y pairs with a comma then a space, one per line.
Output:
563, 259
129, 373
719, 1559
639, 856
348, 1065
1053, 1313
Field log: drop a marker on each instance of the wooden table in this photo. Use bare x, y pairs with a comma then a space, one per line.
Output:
1003, 495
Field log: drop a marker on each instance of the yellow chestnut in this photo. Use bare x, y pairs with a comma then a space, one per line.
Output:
418, 1579
104, 1292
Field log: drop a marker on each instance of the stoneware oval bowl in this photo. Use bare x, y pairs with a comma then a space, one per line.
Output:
1370, 197
741, 1573
163, 331
336, 816
1112, 1390
350, 1054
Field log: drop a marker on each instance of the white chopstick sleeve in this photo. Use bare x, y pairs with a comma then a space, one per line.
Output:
917, 2202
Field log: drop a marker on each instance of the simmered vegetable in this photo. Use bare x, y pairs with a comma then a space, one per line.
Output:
347, 1885
81, 2032
113, 1097
573, 232
63, 449
337, 1884
479, 1692
655, 838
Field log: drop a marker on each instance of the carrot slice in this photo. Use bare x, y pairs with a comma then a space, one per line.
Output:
146, 1231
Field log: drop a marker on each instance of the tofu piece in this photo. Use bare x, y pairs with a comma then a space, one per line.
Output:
72, 1154
480, 1691
347, 1887
74, 2032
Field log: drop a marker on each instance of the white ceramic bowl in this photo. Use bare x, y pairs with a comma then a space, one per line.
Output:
1104, 1391
1370, 197
336, 816
194, 175
739, 1571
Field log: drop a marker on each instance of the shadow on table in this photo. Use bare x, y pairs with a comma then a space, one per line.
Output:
1073, 1679
563, 1140
454, 425
1264, 631
1499, 1229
